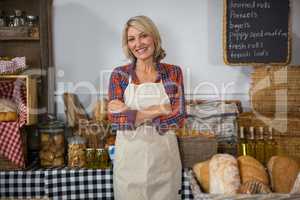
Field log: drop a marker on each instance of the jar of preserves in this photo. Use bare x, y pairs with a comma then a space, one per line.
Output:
52, 143
102, 159
76, 152
90, 154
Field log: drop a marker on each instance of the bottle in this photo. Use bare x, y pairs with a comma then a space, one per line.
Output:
271, 145
2, 19
251, 143
260, 146
242, 143
17, 18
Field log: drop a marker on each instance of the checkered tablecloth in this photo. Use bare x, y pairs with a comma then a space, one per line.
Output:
22, 184
66, 184
79, 184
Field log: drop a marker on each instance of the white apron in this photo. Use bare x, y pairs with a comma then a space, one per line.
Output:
147, 165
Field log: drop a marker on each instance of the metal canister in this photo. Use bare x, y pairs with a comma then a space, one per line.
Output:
102, 159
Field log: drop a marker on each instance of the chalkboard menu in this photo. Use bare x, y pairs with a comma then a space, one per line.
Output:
256, 32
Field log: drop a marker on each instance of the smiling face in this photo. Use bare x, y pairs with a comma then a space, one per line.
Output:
140, 44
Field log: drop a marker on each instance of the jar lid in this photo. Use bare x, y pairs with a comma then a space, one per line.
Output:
52, 125
32, 17
76, 140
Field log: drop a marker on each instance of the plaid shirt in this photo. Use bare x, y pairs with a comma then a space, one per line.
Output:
172, 79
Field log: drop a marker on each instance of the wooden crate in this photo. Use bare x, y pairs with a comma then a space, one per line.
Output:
31, 95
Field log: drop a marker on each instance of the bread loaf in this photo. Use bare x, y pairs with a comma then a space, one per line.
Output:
223, 174
252, 169
8, 110
100, 110
283, 173
7, 106
201, 171
254, 187
296, 186
8, 116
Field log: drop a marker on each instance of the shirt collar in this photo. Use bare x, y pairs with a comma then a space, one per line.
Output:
159, 69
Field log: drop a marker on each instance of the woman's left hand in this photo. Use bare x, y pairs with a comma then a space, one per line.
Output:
117, 106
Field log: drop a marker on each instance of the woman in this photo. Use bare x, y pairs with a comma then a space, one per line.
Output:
146, 104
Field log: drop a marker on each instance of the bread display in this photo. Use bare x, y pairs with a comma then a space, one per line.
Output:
224, 175
251, 169
201, 171
254, 187
8, 111
283, 172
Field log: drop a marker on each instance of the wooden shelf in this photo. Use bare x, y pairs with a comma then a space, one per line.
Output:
19, 38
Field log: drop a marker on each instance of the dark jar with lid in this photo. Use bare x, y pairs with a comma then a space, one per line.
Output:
52, 143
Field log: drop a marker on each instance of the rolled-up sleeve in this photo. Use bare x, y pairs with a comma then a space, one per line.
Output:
117, 85
175, 90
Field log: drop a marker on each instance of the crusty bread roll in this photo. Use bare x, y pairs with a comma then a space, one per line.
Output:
8, 116
8, 111
224, 175
296, 186
283, 173
254, 187
201, 171
252, 169
7, 106
100, 110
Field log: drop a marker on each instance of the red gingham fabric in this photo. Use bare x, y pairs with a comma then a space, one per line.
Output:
10, 137
13, 65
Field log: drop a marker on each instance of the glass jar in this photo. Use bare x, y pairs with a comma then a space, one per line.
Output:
32, 22
76, 152
102, 159
90, 154
19, 19
11, 20
52, 143
2, 19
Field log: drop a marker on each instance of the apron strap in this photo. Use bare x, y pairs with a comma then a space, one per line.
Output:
129, 79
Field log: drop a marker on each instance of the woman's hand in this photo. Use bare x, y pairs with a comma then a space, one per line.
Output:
163, 109
152, 112
117, 106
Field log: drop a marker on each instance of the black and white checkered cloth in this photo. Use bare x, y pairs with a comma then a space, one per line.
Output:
22, 184
64, 183
79, 184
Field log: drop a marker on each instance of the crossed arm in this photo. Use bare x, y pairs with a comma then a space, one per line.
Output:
117, 106
164, 117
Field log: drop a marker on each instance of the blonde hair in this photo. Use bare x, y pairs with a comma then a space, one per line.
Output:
146, 25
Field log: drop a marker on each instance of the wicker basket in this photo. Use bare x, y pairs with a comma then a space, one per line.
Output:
6, 164
289, 146
194, 149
